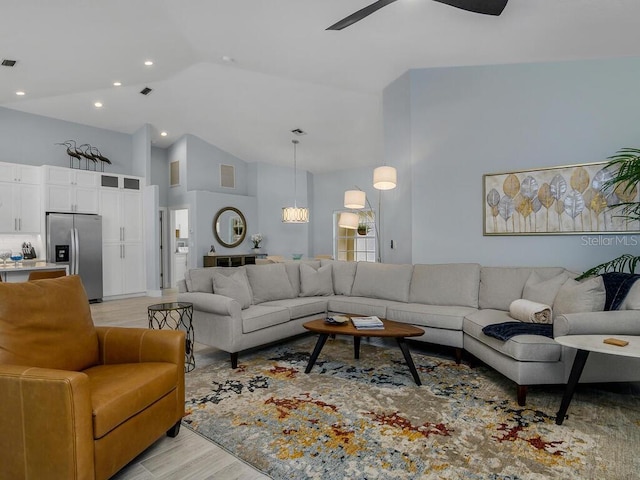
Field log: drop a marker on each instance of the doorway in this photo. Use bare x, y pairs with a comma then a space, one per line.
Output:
179, 244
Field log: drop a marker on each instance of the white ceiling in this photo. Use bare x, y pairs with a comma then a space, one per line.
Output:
288, 71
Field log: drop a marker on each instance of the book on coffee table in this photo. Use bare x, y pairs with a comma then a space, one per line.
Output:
367, 323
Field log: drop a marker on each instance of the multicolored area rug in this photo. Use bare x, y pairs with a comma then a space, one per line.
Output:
366, 419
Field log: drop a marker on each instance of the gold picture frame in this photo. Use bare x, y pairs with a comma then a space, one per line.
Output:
566, 200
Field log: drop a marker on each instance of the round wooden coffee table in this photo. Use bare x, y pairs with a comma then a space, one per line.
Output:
392, 329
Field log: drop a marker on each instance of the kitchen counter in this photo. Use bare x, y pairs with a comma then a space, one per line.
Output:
20, 272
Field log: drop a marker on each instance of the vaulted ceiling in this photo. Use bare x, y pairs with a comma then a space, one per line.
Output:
241, 74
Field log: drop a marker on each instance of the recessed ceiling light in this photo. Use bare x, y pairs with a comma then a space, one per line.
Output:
163, 134
98, 104
117, 84
20, 93
148, 63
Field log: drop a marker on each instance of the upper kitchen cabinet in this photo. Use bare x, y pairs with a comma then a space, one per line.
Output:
70, 190
20, 199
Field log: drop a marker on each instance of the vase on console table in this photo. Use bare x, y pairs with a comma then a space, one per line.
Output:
256, 250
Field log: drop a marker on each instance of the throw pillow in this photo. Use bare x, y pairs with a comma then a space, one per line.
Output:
632, 300
576, 297
234, 286
269, 282
543, 291
315, 282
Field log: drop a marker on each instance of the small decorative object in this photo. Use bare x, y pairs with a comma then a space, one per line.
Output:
4, 256
89, 154
212, 251
256, 238
296, 256
16, 257
363, 229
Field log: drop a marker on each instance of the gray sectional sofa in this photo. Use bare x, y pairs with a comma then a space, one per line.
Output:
260, 304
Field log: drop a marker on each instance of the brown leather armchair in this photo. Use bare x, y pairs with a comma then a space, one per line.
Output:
79, 401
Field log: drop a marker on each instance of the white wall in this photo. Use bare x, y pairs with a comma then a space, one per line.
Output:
469, 121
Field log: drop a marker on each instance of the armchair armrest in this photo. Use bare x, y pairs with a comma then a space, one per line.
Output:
616, 322
137, 345
34, 443
212, 303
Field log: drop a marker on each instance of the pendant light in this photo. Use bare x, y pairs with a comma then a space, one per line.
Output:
295, 214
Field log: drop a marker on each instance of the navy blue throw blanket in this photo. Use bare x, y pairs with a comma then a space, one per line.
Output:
617, 285
504, 331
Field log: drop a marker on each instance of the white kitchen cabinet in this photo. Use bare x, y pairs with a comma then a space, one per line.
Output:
123, 271
71, 190
20, 199
16, 173
122, 235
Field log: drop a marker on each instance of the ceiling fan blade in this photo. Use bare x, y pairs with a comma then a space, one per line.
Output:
486, 7
360, 14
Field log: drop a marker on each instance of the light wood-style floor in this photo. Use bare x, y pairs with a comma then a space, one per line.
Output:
188, 456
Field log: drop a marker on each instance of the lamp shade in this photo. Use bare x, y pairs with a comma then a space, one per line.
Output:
354, 199
348, 220
384, 178
295, 215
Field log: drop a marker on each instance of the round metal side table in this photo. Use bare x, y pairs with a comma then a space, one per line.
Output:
178, 316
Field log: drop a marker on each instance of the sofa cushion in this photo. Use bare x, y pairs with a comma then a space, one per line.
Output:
454, 284
119, 392
343, 273
315, 282
301, 307
257, 317
436, 316
632, 300
525, 348
543, 291
200, 279
47, 323
269, 282
577, 297
379, 280
499, 286
293, 272
234, 285
358, 305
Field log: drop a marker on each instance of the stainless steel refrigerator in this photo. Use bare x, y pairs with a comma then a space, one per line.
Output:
75, 240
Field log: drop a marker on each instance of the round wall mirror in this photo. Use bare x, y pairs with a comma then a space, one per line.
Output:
229, 227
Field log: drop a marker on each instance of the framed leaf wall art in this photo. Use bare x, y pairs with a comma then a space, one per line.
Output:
556, 201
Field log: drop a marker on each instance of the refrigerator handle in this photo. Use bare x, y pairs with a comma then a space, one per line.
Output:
73, 263
77, 256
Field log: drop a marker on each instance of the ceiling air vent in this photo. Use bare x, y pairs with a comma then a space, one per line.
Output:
146, 91
8, 63
298, 131
227, 176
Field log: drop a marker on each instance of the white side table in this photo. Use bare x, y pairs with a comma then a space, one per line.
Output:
586, 344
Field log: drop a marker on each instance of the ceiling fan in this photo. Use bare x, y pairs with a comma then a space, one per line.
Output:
486, 7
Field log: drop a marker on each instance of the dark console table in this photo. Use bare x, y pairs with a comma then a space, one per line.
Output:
228, 260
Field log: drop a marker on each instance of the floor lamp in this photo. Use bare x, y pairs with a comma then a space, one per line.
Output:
384, 178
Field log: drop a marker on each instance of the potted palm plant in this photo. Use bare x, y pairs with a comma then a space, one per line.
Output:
624, 183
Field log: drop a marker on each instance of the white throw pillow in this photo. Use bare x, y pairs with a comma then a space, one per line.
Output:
315, 282
543, 291
234, 286
577, 297
269, 282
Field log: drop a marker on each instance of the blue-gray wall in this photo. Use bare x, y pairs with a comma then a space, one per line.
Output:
468, 121
29, 139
